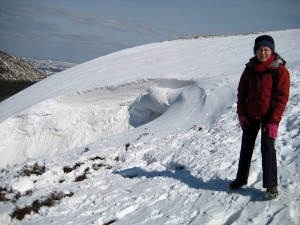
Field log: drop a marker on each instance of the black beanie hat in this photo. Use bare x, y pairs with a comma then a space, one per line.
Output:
264, 40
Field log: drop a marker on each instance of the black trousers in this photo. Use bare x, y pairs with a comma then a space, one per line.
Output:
268, 152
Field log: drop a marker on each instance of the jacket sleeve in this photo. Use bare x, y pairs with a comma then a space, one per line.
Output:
281, 95
242, 95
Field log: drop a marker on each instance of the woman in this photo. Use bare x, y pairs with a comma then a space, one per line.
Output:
263, 93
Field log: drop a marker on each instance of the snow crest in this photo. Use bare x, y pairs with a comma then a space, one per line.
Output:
154, 101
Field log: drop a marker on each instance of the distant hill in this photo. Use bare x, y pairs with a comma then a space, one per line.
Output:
16, 75
48, 66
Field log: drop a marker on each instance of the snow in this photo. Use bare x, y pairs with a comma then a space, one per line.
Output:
152, 131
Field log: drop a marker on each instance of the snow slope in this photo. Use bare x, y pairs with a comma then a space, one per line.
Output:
153, 135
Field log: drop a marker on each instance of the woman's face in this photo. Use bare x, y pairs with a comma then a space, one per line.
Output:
263, 53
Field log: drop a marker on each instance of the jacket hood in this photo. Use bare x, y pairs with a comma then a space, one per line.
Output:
277, 61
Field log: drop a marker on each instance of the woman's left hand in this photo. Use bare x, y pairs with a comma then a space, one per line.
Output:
273, 129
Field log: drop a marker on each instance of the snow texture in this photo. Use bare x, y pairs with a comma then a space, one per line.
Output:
147, 135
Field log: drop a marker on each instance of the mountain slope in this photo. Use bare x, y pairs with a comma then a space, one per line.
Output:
158, 140
201, 69
16, 75
15, 69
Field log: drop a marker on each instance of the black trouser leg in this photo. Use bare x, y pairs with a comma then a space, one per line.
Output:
248, 141
269, 161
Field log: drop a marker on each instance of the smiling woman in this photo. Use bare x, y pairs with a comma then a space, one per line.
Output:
262, 99
264, 48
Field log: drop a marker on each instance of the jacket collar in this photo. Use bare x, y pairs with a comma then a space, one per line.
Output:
274, 65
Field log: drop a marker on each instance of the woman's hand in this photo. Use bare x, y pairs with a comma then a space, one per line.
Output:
243, 120
273, 129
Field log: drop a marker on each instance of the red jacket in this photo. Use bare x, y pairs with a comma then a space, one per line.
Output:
255, 97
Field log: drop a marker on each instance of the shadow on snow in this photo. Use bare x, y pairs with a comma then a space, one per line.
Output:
184, 175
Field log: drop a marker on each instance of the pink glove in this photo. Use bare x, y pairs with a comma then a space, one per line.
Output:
243, 120
273, 128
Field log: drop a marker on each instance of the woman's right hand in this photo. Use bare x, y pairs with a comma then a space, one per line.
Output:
243, 120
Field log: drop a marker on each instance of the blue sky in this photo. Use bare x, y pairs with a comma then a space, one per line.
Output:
81, 30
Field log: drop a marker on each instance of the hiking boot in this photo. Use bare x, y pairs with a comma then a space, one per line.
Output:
271, 193
234, 185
